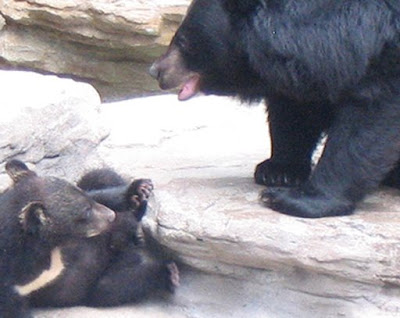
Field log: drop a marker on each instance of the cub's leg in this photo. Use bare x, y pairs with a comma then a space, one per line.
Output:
133, 276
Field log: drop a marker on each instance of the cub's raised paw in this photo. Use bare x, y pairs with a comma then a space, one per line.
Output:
173, 274
139, 191
137, 195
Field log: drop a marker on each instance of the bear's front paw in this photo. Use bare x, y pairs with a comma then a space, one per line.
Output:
275, 174
305, 202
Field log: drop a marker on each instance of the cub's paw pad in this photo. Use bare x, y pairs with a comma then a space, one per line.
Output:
139, 192
274, 174
173, 273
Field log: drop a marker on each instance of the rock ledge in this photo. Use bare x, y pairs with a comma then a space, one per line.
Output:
107, 43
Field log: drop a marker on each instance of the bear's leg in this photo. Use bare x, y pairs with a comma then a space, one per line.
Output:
362, 147
132, 277
295, 130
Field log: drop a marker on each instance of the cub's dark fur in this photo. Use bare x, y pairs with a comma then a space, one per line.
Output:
116, 267
37, 216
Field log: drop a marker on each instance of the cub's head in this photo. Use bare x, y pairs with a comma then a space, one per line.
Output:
206, 53
53, 208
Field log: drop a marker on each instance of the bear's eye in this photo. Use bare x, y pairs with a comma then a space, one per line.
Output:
181, 42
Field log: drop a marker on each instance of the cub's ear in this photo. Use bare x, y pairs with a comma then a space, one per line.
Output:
241, 6
18, 170
33, 216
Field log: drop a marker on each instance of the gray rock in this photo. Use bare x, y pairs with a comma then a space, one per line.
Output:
49, 122
201, 155
107, 43
223, 223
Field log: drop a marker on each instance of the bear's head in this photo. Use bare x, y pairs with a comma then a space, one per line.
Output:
205, 54
52, 208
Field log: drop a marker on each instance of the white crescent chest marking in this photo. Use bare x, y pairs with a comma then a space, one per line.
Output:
46, 277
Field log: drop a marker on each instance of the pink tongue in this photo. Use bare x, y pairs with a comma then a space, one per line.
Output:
189, 89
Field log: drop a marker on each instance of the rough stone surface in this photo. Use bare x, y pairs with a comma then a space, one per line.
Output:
107, 43
201, 155
230, 227
49, 122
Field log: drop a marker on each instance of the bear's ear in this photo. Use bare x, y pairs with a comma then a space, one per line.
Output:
241, 6
18, 170
33, 216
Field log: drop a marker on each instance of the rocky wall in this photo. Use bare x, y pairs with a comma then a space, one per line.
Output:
109, 44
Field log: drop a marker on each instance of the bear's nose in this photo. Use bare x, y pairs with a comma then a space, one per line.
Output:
154, 71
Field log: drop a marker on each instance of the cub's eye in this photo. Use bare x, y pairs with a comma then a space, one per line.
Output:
85, 216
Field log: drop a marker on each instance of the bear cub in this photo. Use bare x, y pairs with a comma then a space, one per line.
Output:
116, 267
59, 247
37, 216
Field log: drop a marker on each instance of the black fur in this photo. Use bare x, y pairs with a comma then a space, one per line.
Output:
107, 187
116, 267
324, 67
37, 215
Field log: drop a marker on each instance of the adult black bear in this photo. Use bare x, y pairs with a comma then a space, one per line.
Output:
117, 266
324, 67
37, 216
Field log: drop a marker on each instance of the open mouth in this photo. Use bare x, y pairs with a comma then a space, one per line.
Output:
189, 88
